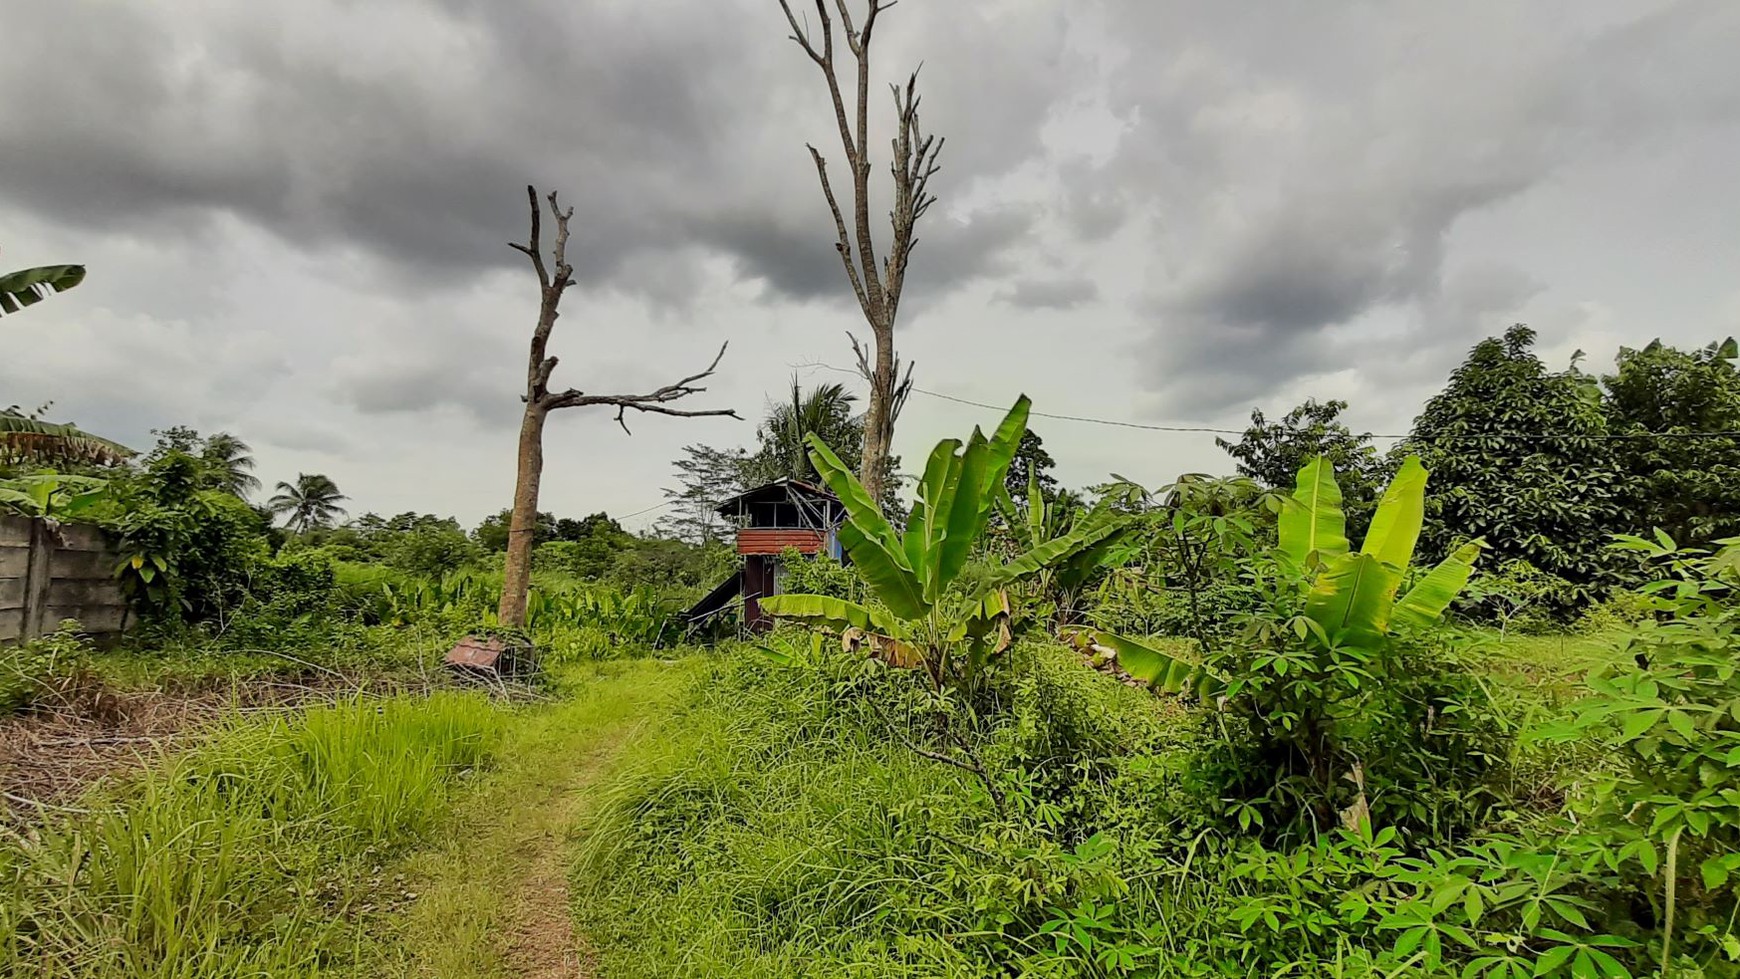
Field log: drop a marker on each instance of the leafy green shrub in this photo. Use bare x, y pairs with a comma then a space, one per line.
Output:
817, 575
1671, 713
41, 668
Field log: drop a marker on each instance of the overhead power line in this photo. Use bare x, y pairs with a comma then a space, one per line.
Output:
1210, 430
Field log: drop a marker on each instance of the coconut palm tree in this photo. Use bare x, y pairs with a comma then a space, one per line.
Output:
826, 412
31, 286
28, 440
231, 462
312, 501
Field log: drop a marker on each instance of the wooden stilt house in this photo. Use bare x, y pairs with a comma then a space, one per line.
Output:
786, 514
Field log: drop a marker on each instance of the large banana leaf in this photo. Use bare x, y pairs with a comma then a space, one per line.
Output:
1395, 528
1428, 599
999, 454
923, 532
31, 286
835, 613
1114, 550
868, 538
1351, 599
893, 583
1006, 441
860, 508
1036, 508
1311, 520
1161, 670
962, 502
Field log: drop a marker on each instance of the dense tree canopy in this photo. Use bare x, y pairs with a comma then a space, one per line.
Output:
1272, 453
1518, 457
1687, 484
1031, 459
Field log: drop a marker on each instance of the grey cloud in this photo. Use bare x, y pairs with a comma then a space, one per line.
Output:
409, 128
1049, 293
1305, 175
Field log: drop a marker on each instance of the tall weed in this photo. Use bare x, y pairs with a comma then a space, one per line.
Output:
243, 857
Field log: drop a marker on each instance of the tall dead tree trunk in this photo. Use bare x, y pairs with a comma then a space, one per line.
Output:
877, 288
554, 278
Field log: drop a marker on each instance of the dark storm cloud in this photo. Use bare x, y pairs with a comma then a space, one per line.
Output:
1049, 293
1296, 192
409, 129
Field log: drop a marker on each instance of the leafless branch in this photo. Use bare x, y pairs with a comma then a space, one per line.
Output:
654, 402
844, 244
533, 247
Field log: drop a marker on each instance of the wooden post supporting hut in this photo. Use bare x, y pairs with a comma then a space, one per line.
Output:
786, 514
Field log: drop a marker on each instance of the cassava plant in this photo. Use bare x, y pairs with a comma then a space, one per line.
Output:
919, 621
1333, 700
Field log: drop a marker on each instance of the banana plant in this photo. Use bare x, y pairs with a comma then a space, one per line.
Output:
1041, 521
921, 622
1350, 597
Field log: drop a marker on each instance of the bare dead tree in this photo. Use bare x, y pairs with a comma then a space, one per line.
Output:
554, 277
877, 287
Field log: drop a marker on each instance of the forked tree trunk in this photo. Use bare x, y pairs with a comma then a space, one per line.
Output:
540, 401
876, 285
516, 579
879, 417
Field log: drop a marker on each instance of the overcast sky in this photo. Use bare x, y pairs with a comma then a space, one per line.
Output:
295, 217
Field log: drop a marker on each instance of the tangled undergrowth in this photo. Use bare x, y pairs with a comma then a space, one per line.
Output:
791, 830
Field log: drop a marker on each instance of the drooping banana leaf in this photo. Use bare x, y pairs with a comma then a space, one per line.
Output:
1311, 519
1115, 550
1162, 671
31, 286
834, 613
29, 440
1351, 598
860, 508
1395, 527
1428, 599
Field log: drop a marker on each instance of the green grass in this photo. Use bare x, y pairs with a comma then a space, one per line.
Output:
781, 831
249, 856
517, 824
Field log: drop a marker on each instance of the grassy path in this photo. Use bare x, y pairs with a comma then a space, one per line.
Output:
492, 900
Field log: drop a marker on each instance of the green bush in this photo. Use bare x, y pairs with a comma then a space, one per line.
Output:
39, 669
801, 574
